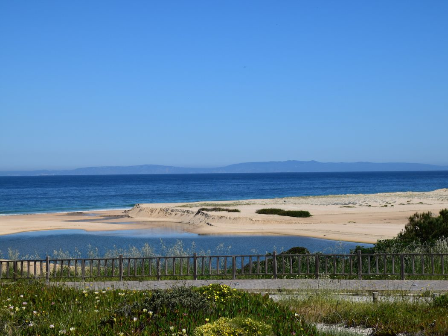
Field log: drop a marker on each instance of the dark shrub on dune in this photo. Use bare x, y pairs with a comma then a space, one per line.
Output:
424, 227
297, 250
280, 212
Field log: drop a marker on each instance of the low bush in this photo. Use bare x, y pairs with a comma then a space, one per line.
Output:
280, 212
234, 327
177, 299
219, 293
424, 233
424, 227
232, 303
297, 250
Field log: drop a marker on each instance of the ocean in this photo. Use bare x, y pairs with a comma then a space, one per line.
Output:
44, 194
40, 194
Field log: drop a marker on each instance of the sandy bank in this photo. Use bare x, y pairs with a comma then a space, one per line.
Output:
359, 218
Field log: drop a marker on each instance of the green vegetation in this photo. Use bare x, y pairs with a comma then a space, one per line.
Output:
31, 308
441, 301
234, 327
425, 227
400, 316
297, 250
424, 233
163, 301
217, 209
280, 212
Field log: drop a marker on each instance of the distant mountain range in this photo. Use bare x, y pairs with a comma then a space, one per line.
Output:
291, 166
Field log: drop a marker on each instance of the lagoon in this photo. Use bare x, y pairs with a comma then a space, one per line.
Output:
78, 243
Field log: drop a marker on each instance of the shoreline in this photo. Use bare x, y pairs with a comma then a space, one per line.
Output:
361, 218
94, 210
236, 234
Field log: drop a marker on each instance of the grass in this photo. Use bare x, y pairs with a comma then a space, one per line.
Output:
31, 308
280, 212
400, 316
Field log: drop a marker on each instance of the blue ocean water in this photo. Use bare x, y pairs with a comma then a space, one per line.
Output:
21, 195
35, 194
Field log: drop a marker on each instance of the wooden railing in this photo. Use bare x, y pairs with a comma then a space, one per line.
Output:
352, 266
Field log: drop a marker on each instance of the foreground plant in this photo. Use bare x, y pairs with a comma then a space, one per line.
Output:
32, 308
234, 327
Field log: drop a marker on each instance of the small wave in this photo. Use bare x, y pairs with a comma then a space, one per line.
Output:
61, 212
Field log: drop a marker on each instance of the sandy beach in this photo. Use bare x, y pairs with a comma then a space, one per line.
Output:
358, 218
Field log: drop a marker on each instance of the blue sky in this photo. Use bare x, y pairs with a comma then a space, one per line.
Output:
209, 83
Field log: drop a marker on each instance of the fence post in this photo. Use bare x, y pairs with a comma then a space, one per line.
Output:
158, 268
83, 269
195, 266
233, 267
374, 297
14, 270
359, 265
316, 270
274, 264
47, 266
120, 266
402, 266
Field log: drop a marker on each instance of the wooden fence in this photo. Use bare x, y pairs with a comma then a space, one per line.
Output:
352, 266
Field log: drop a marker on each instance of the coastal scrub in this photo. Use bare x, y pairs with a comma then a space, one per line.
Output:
280, 212
33, 308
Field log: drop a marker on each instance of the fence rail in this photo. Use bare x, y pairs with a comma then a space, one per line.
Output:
196, 267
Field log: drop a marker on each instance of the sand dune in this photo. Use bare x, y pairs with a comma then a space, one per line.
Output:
361, 218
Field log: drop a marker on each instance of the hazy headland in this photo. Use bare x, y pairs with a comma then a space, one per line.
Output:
290, 166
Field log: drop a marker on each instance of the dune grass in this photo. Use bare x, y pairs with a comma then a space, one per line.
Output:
218, 209
280, 212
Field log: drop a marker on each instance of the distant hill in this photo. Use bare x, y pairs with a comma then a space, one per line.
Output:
291, 166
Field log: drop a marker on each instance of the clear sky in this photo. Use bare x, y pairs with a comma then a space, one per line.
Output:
209, 83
